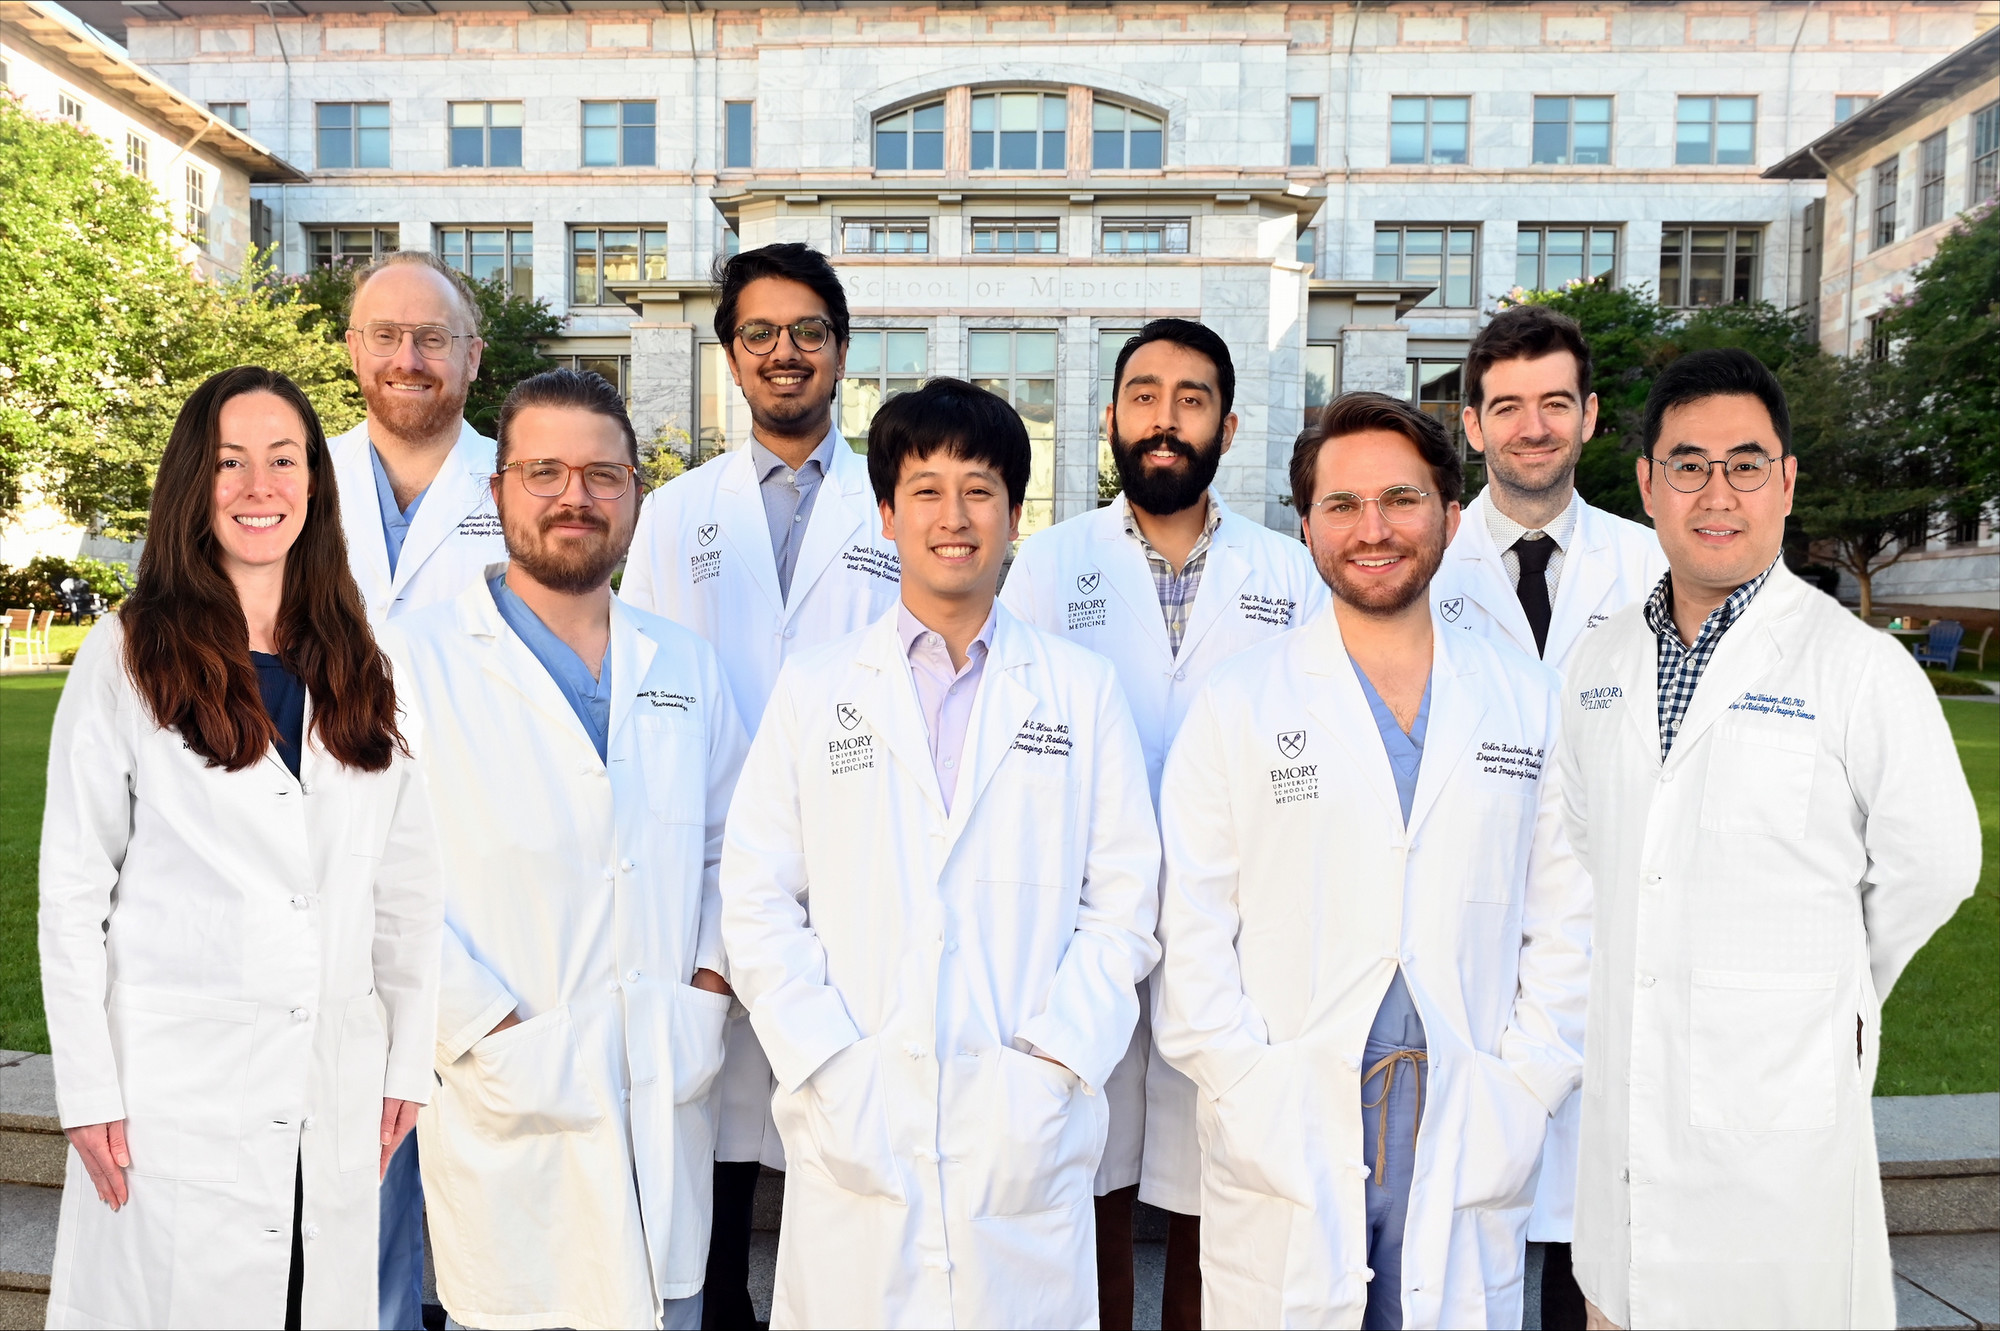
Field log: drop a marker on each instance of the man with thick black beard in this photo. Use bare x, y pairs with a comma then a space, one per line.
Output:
1167, 581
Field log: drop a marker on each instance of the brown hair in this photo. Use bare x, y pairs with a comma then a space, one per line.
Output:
187, 645
1352, 413
579, 390
1525, 332
422, 259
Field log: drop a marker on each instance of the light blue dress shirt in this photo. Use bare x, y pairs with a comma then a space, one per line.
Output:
587, 695
788, 501
395, 521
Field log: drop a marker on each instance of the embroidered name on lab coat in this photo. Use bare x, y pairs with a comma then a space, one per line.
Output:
480, 524
1773, 705
703, 565
679, 702
1085, 614
1038, 737
876, 563
1594, 621
1273, 610
1523, 762
1599, 699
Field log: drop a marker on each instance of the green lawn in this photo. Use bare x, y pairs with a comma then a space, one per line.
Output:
1941, 1030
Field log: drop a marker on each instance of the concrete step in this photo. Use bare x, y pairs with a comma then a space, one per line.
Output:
32, 1147
1947, 1280
1940, 1159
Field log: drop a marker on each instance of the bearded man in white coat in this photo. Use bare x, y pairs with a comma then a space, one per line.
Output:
590, 750
765, 551
1775, 817
1167, 582
1535, 567
939, 894
1375, 932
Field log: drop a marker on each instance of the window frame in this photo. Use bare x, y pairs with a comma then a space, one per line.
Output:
1051, 226
856, 377
621, 129
1305, 249
335, 255
1569, 123
1311, 146
909, 134
485, 129
517, 244
729, 134
623, 382
352, 132
1591, 231
1125, 131
1733, 258
1865, 100
1429, 122
880, 228
1886, 184
1033, 519
1715, 124
1982, 176
223, 111
1163, 226
138, 155
1440, 297
69, 106
1049, 141
1931, 157
605, 299
199, 201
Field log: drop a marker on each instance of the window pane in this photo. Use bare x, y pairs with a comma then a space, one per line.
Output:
1052, 150
1592, 110
1671, 242
1565, 258
373, 150
1458, 276
636, 113
1385, 256
860, 399
1319, 376
638, 145
1527, 263
1017, 111
1035, 353
927, 148
1603, 253
1406, 110
1552, 110
468, 147
1695, 110
1691, 143
336, 147
929, 117
1055, 113
372, 115
891, 147
621, 258
1743, 286
1593, 145
1735, 143
451, 248
464, 114
737, 146
1305, 131
989, 354
1146, 149
600, 113
1707, 267
1303, 249
600, 146
1406, 144
1107, 116
506, 115
1017, 149
1552, 142
908, 353
983, 113
583, 268
1447, 144
1107, 149
504, 146
1450, 110
864, 354
1741, 110
521, 277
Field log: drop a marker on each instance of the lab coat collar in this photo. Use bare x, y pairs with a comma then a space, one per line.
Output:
1749, 650
845, 499
1123, 565
458, 490
509, 662
1587, 573
1225, 572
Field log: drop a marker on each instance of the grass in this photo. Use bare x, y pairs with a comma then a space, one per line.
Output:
1941, 1029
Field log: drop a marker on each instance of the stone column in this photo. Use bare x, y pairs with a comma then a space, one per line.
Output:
663, 372
1375, 358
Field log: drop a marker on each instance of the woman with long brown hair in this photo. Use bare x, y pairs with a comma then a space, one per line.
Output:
240, 901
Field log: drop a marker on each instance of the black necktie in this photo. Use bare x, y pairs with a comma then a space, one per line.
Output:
1534, 551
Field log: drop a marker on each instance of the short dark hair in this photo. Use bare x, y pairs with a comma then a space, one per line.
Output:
584, 390
1351, 413
1718, 372
792, 261
1524, 332
1198, 338
952, 416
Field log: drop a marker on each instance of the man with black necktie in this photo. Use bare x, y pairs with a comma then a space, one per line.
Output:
1535, 566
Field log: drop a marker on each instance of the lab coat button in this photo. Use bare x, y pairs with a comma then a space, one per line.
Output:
1351, 1061
300, 1014
632, 977
951, 946
309, 1232
609, 874
1180, 674
309, 1123
627, 865
1409, 958
299, 903
927, 1156
937, 1263
913, 1049
791, 633
1646, 980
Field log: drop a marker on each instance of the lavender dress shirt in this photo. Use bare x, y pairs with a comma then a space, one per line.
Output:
944, 695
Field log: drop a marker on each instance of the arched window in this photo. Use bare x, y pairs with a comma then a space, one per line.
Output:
1019, 131
1124, 138
911, 139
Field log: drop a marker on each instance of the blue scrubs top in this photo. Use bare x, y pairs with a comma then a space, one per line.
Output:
284, 697
1396, 1022
587, 695
395, 521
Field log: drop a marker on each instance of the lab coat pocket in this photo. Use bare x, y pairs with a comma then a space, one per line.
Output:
672, 757
1258, 1145
182, 1063
529, 1079
847, 1118
364, 1053
1501, 1127
1760, 778
1762, 1051
1042, 1136
697, 1035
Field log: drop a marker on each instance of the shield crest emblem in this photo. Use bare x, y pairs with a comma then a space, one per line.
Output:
848, 716
1452, 609
1291, 743
1087, 582
705, 533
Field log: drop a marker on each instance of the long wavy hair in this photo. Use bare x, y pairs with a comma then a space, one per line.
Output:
187, 643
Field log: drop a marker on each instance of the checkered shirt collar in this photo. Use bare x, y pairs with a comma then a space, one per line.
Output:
1680, 666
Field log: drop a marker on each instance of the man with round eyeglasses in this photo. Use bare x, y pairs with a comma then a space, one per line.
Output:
1775, 819
767, 550
1379, 1022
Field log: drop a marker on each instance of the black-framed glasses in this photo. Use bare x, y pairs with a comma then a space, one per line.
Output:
1399, 504
383, 338
759, 338
548, 478
1689, 472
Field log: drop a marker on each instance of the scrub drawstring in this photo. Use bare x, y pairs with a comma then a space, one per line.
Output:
1417, 1059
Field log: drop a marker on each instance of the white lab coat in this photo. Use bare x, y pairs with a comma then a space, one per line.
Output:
1293, 891
240, 965
567, 1159
702, 558
898, 962
1610, 564
1086, 580
1757, 896
455, 534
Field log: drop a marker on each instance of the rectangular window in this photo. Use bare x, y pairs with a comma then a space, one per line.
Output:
1441, 255
1110, 341
329, 246
911, 140
486, 252
197, 206
602, 256
1716, 131
1930, 184
1884, 229
1322, 378
69, 107
1306, 249
1878, 341
236, 115
1305, 131
1021, 367
353, 134
1436, 386
1015, 235
1573, 131
1551, 257
1019, 131
880, 364
1847, 104
616, 370
1985, 155
618, 134
1124, 139
1144, 235
135, 154
721, 416
1428, 131
1709, 265
908, 235
737, 123
485, 133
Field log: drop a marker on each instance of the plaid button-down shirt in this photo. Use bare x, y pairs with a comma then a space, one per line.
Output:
1680, 667
1176, 591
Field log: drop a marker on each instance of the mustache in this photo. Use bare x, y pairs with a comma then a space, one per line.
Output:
1169, 440
583, 517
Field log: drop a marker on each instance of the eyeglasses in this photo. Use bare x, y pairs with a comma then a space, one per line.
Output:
1399, 504
759, 338
383, 338
1689, 472
548, 478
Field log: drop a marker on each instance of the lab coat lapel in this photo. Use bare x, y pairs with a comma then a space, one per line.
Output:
845, 501
1458, 705
629, 660
454, 494
739, 511
509, 664
1484, 578
1123, 564
1588, 572
1746, 653
361, 516
1221, 577
888, 706
1005, 701
1337, 704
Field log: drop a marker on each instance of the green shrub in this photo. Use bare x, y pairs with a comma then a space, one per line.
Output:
37, 583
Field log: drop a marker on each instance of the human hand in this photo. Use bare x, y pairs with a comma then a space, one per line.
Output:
510, 1020
105, 1158
398, 1117
709, 982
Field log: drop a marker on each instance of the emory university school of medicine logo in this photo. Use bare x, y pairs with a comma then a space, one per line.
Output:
1087, 582
847, 715
705, 533
1452, 609
1291, 743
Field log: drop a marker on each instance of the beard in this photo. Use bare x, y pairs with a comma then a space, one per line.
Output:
1170, 489
1372, 596
571, 567
1500, 468
429, 417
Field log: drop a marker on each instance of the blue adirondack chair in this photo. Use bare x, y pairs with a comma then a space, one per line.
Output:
1942, 649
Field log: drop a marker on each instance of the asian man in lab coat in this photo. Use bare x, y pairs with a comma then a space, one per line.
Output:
939, 896
1775, 819
588, 751
1375, 933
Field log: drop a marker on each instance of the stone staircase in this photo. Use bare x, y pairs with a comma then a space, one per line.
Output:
1940, 1182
